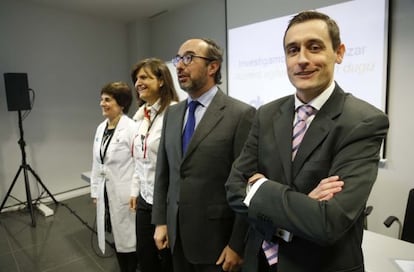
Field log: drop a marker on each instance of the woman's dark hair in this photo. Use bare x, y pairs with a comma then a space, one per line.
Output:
121, 92
159, 69
305, 16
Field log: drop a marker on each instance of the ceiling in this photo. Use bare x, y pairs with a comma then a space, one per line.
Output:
121, 10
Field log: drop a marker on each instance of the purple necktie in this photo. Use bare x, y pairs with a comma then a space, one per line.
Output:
271, 249
299, 129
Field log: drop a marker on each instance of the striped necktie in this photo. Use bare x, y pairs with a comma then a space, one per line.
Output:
300, 127
271, 249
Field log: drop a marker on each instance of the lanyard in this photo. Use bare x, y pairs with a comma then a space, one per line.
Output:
106, 139
145, 137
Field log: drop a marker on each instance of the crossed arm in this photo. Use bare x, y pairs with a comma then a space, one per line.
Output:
325, 190
229, 259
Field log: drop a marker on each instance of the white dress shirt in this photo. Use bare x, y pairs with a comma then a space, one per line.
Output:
145, 152
204, 101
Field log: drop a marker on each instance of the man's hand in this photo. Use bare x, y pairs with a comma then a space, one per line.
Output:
229, 260
255, 178
161, 237
327, 188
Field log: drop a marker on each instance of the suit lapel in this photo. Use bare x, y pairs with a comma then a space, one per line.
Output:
319, 128
282, 129
212, 116
177, 112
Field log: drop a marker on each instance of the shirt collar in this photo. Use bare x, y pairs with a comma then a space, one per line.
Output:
206, 98
318, 101
154, 107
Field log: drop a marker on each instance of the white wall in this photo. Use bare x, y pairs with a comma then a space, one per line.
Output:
68, 58
390, 193
139, 46
196, 20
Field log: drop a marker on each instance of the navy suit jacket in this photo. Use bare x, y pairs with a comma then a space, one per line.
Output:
343, 139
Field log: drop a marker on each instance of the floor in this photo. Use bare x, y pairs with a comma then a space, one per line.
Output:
62, 242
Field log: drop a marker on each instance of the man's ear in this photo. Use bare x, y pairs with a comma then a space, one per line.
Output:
340, 52
213, 67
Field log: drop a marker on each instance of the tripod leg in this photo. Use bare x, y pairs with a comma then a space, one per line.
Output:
29, 196
11, 187
41, 183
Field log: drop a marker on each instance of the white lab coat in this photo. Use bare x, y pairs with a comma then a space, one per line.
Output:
116, 175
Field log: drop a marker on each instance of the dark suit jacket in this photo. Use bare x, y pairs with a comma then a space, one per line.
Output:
343, 139
191, 186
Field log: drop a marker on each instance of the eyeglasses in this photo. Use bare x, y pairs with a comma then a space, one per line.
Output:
187, 59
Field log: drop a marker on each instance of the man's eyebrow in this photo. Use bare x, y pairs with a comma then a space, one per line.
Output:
188, 53
290, 44
314, 41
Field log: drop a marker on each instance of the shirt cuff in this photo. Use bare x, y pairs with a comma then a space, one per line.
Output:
251, 190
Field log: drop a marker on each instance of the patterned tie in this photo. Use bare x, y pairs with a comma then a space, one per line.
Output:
271, 249
299, 129
189, 126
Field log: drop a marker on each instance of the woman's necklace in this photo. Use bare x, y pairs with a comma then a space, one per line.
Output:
112, 123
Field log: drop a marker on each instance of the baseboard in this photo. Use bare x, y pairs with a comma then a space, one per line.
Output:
47, 200
68, 194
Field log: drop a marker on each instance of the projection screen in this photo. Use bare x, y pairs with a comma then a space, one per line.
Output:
256, 61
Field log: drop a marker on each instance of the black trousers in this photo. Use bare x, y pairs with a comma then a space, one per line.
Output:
150, 258
128, 262
182, 264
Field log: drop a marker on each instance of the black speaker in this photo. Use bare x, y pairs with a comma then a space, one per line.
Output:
17, 91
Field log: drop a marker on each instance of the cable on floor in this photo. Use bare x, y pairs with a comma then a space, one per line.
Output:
93, 232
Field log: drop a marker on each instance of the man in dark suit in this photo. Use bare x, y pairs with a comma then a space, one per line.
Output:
342, 141
189, 197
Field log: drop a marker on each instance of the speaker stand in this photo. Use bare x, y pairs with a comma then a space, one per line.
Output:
25, 168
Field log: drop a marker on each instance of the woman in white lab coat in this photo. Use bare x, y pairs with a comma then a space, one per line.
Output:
155, 91
112, 171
